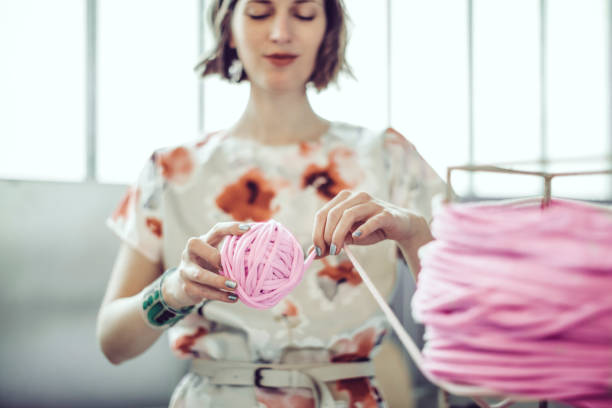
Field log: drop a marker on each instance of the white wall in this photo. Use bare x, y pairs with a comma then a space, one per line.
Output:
55, 259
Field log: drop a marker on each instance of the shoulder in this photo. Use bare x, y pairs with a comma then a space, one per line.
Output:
393, 139
356, 133
180, 160
390, 139
200, 142
352, 134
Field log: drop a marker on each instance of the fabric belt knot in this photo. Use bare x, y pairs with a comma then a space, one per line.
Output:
311, 376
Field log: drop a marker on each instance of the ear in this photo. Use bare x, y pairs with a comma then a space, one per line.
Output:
232, 44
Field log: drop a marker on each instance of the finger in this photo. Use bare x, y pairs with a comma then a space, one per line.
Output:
203, 276
203, 254
335, 214
320, 220
223, 229
198, 292
379, 221
350, 217
207, 259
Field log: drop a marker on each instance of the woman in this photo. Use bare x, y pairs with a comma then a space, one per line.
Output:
330, 184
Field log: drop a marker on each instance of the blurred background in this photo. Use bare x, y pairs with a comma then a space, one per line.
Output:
88, 89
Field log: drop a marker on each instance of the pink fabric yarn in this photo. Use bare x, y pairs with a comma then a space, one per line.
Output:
266, 261
518, 299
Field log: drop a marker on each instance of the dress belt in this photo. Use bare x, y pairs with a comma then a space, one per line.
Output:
312, 376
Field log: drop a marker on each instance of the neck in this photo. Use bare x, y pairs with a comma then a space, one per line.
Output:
278, 118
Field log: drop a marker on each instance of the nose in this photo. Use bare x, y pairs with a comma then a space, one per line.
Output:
280, 32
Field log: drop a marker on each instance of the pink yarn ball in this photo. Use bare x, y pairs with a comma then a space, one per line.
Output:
516, 299
267, 262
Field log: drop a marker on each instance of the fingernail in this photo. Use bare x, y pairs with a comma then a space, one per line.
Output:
319, 252
232, 297
230, 284
357, 234
244, 227
332, 249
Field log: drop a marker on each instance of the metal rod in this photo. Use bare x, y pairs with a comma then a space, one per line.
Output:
543, 81
90, 90
470, 50
547, 190
497, 169
389, 70
449, 186
548, 176
609, 47
201, 46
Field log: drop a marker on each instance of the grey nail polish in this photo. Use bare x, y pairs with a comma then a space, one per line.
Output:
230, 284
319, 252
357, 234
244, 227
232, 297
332, 249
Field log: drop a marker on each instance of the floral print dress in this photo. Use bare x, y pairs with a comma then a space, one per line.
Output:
330, 316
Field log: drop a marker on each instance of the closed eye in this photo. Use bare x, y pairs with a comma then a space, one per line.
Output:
259, 10
305, 18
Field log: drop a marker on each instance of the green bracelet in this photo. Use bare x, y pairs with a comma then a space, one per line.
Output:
157, 312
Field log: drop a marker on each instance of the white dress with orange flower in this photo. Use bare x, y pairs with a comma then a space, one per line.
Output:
330, 316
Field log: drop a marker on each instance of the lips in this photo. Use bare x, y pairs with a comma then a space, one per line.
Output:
280, 60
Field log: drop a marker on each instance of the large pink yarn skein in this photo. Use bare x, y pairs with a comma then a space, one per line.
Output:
266, 261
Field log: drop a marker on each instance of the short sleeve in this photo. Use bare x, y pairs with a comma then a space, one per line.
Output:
413, 183
138, 220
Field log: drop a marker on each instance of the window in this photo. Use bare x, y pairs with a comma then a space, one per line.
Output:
429, 78
506, 92
362, 100
42, 82
490, 81
578, 90
147, 92
481, 81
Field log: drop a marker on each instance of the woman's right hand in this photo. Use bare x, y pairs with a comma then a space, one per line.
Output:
197, 277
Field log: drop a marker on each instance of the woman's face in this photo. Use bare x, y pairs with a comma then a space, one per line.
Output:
278, 40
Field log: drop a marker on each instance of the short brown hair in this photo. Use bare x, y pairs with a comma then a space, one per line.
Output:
330, 57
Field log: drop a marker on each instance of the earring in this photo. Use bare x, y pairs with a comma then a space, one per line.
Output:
235, 71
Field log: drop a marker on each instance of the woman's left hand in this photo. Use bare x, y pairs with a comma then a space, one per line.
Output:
357, 218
